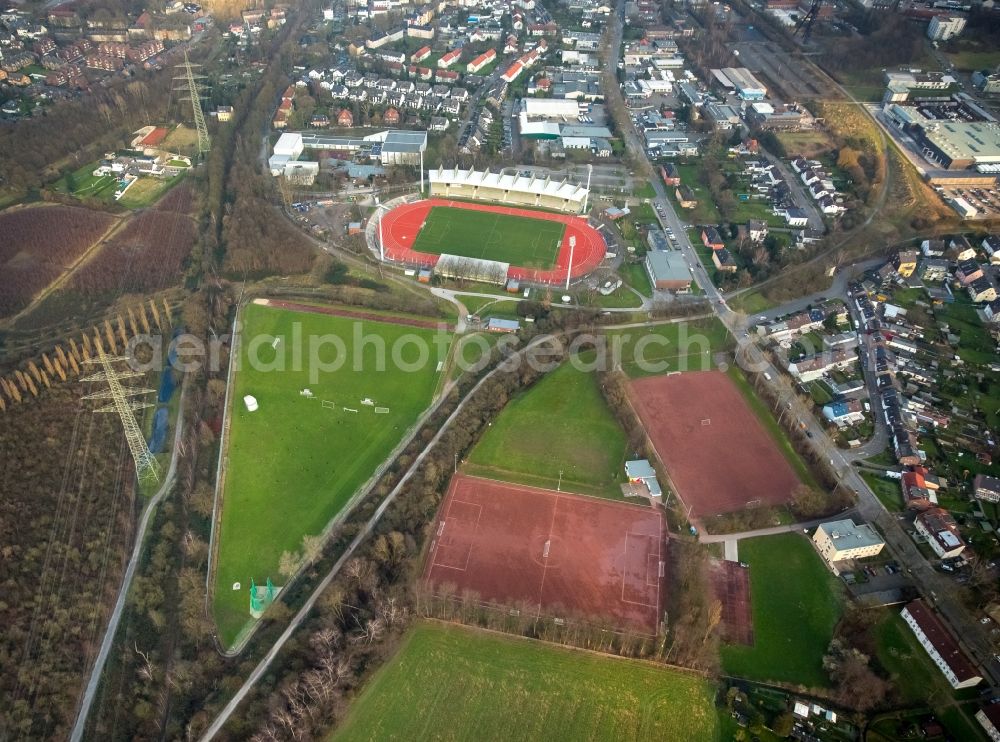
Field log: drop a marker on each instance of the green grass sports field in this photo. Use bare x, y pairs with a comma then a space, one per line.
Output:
449, 682
294, 463
676, 346
561, 423
796, 603
518, 240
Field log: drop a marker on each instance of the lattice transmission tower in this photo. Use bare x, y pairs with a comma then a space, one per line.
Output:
189, 85
145, 464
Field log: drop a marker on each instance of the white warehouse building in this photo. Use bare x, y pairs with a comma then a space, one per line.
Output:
567, 108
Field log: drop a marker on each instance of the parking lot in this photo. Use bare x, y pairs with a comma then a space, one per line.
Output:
985, 201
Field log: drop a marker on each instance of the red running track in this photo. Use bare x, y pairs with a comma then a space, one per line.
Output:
401, 225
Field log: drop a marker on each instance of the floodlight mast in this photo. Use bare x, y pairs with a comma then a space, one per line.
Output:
569, 268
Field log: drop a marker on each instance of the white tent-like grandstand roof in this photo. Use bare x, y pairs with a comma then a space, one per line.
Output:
509, 182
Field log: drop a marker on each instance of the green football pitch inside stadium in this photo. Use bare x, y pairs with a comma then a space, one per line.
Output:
450, 682
518, 240
294, 463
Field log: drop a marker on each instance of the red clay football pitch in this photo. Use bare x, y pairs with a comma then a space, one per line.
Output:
719, 456
731, 583
556, 554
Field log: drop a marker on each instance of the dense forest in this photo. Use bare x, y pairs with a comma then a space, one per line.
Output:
66, 518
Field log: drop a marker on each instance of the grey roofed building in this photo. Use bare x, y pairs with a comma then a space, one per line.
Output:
724, 117
584, 130
668, 270
657, 240
405, 141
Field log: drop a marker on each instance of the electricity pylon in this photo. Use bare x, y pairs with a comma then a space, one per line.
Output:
189, 84
145, 464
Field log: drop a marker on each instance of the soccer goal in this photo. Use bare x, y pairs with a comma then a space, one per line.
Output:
328, 404
381, 410
706, 421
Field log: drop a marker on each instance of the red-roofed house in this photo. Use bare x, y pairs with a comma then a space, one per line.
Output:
289, 93
935, 638
989, 719
345, 118
446, 76
391, 117
919, 492
449, 59
513, 72
481, 61
420, 54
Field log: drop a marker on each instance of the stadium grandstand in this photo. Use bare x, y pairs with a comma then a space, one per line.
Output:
508, 188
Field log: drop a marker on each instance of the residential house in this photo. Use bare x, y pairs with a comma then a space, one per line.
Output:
933, 269
961, 248
670, 174
710, 237
390, 117
989, 719
986, 488
481, 61
796, 217
345, 118
818, 365
844, 539
905, 262
448, 59
723, 261
685, 197
844, 412
757, 230
968, 271
933, 248
981, 290
991, 246
941, 532
939, 643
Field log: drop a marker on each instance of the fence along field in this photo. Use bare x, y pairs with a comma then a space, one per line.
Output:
293, 464
449, 682
39, 244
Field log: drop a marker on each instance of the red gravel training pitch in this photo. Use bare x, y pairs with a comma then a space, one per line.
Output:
718, 455
551, 553
401, 225
731, 583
